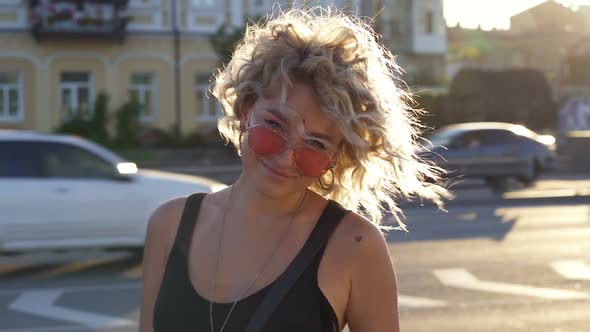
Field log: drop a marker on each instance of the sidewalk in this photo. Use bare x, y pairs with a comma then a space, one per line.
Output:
554, 186
551, 187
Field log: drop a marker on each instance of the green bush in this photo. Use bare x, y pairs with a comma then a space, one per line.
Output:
93, 128
129, 132
517, 95
127, 127
435, 109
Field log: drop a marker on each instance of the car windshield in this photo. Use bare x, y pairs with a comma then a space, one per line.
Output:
443, 137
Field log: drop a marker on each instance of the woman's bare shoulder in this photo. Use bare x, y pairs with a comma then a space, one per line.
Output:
164, 221
358, 238
167, 214
357, 229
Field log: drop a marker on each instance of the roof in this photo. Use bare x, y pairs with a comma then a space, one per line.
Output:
553, 15
23, 134
519, 129
581, 47
26, 135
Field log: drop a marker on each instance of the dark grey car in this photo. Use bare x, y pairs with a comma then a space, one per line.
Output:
493, 151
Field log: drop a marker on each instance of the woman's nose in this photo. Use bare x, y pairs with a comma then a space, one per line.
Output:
285, 158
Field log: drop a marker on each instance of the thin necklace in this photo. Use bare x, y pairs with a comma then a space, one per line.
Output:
262, 269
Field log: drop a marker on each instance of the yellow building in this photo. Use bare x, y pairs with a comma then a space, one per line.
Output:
56, 56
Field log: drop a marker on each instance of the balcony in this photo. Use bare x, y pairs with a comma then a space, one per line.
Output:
78, 19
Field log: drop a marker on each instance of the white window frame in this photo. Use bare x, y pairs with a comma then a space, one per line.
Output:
10, 2
204, 116
5, 90
141, 90
75, 86
153, 8
262, 10
14, 6
218, 13
142, 4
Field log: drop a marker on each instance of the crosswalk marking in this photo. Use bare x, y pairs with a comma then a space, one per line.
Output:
461, 278
42, 303
5, 269
572, 269
71, 268
135, 272
63, 328
419, 302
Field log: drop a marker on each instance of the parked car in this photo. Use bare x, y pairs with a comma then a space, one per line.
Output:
494, 151
63, 192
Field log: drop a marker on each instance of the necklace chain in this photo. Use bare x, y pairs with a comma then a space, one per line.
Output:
262, 269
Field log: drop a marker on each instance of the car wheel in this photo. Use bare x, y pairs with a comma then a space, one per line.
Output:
137, 253
528, 181
498, 183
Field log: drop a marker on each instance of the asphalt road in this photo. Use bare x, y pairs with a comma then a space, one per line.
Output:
493, 268
477, 267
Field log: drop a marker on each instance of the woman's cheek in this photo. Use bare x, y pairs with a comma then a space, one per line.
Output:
249, 158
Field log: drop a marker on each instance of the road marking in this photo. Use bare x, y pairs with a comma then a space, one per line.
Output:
6, 269
104, 287
41, 303
461, 278
420, 302
135, 272
64, 328
572, 269
71, 268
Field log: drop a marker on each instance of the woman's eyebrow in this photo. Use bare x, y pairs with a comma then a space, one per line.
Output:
277, 113
282, 117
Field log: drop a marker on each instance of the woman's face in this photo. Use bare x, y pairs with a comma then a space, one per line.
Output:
288, 145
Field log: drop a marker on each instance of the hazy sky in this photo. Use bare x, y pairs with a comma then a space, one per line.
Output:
491, 13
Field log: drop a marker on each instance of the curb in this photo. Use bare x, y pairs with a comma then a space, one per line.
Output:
466, 194
553, 197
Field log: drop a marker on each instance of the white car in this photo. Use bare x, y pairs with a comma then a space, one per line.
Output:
62, 192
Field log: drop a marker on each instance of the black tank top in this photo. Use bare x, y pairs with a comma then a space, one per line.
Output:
180, 308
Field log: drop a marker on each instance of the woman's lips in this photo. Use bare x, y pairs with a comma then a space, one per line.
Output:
276, 172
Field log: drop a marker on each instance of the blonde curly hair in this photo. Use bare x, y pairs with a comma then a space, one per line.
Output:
355, 78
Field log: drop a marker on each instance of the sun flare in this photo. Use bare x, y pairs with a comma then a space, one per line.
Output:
489, 14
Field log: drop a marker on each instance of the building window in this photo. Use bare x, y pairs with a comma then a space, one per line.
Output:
206, 15
203, 4
144, 3
76, 94
144, 89
13, 14
429, 23
11, 97
146, 14
259, 7
207, 107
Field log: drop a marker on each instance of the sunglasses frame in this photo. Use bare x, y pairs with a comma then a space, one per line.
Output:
292, 147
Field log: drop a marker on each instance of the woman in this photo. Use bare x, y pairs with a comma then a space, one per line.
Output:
323, 132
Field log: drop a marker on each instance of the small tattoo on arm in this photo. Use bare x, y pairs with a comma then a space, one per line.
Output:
358, 238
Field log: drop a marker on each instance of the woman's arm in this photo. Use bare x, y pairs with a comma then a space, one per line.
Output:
372, 304
160, 236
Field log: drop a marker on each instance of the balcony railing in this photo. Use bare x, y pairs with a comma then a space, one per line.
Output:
76, 19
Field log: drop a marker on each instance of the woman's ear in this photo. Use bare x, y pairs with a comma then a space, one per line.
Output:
243, 122
244, 117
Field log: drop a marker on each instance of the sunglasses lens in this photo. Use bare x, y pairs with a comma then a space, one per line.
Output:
265, 141
312, 163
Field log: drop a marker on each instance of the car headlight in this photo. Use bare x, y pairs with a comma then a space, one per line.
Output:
218, 187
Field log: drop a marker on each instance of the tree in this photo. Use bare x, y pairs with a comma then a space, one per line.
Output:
225, 40
514, 95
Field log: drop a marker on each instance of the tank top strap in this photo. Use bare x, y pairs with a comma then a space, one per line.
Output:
187, 222
334, 212
314, 246
325, 226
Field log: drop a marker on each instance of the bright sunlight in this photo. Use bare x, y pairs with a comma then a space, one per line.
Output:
491, 14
